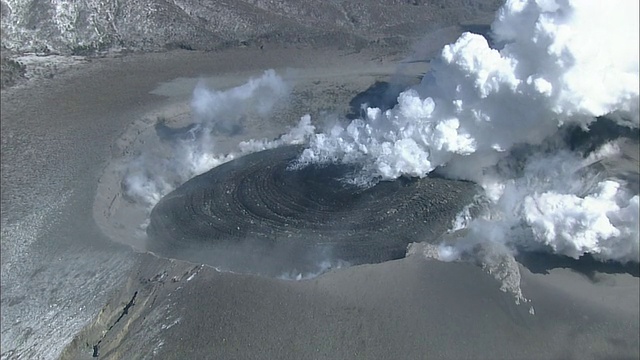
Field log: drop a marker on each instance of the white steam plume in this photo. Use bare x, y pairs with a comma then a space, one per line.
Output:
257, 97
161, 169
561, 63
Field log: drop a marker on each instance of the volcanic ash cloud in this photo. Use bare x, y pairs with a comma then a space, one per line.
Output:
559, 64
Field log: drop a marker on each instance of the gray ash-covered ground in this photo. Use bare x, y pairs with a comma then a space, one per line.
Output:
86, 27
99, 75
91, 28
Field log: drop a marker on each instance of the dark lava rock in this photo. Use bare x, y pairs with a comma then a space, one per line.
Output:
257, 215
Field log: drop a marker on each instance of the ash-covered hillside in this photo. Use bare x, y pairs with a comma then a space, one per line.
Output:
85, 27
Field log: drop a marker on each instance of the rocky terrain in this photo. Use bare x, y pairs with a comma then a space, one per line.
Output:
90, 28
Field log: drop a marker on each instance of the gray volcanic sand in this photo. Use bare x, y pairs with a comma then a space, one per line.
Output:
402, 309
63, 144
